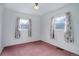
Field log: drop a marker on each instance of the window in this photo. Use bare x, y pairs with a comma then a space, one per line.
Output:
23, 24
62, 24
59, 23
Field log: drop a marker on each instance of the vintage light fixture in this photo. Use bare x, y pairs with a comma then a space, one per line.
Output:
36, 7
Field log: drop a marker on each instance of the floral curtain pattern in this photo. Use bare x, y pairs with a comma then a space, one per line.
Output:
69, 38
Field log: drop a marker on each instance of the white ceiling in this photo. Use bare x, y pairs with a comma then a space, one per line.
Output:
28, 7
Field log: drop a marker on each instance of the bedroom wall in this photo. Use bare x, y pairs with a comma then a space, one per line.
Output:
9, 21
1, 15
45, 29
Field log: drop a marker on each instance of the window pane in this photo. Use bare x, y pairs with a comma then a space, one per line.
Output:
23, 21
23, 24
60, 22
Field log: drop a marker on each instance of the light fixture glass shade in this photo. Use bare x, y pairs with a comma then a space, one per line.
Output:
36, 7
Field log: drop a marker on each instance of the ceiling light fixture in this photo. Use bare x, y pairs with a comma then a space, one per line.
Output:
36, 7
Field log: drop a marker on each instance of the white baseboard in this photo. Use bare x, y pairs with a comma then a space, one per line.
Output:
11, 44
72, 51
15, 44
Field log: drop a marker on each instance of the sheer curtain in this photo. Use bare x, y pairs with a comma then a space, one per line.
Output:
17, 31
51, 29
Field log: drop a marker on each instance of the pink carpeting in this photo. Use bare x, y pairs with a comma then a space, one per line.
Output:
37, 48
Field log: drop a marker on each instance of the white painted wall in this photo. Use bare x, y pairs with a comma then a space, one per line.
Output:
9, 21
1, 15
45, 32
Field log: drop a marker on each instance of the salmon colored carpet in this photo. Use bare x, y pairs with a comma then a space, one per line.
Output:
37, 48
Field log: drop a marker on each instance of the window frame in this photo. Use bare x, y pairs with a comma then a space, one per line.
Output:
54, 24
